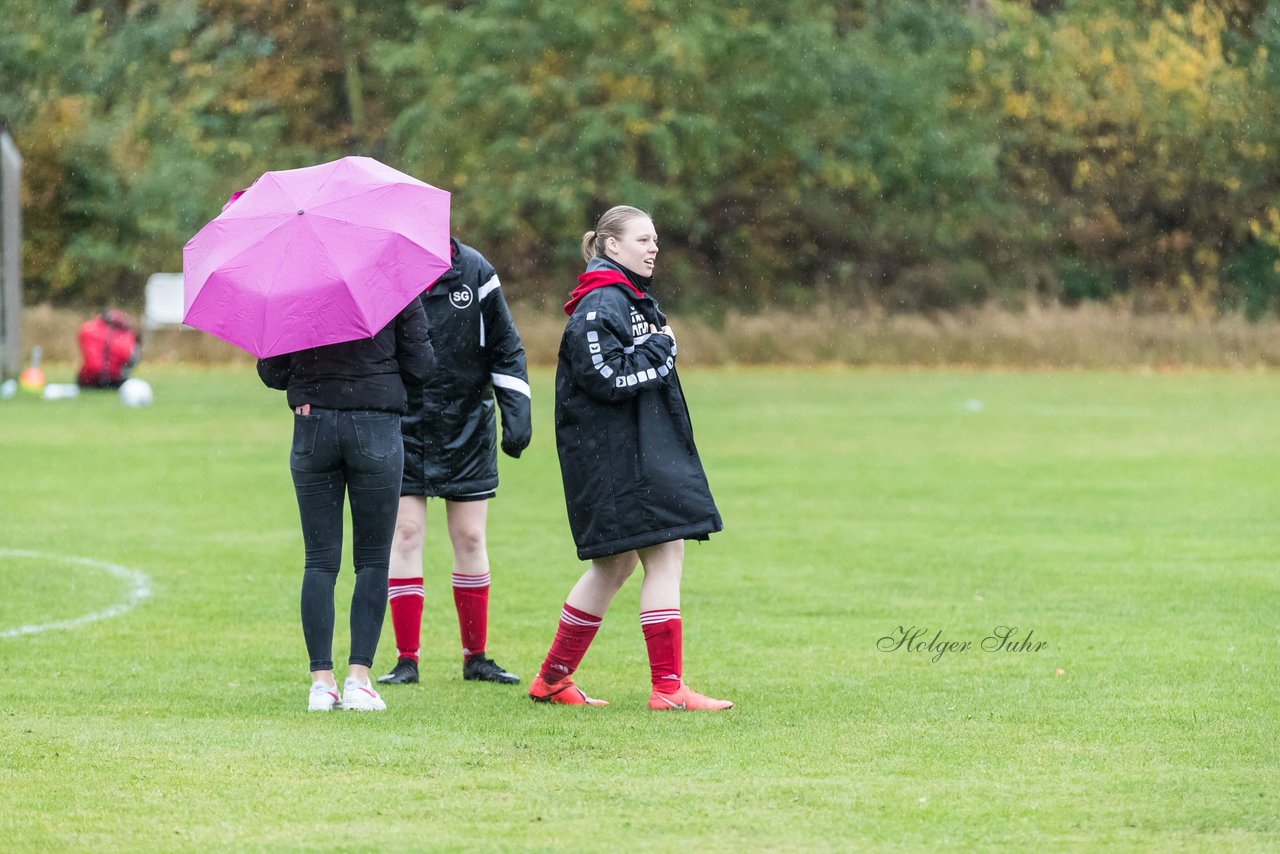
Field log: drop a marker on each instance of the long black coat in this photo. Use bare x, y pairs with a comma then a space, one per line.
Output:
450, 431
632, 475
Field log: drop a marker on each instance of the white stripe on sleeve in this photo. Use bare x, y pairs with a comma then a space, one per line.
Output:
490, 286
513, 383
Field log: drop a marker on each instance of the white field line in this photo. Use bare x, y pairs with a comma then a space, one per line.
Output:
140, 589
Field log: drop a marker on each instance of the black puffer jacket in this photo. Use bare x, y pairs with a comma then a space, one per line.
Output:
371, 373
632, 475
450, 433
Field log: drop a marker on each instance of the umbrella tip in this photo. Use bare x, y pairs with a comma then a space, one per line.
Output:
299, 213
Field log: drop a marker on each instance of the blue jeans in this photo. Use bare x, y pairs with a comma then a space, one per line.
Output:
335, 453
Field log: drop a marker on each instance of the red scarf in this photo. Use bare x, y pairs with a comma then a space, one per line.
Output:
589, 281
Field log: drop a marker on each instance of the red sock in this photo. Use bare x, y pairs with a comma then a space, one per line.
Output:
471, 598
405, 595
576, 631
664, 637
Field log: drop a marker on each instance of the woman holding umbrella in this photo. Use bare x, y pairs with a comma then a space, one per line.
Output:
633, 482
347, 401
317, 271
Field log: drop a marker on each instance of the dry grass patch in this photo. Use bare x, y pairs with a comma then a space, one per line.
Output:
1090, 336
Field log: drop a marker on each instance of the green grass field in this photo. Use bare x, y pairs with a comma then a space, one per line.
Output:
1129, 521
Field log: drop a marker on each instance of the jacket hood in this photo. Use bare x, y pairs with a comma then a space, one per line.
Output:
455, 252
602, 272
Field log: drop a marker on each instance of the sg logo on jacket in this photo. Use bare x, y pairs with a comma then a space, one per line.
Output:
460, 298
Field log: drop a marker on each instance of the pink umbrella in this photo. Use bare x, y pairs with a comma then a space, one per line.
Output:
315, 256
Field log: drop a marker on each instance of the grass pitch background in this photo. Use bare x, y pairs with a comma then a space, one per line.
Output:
1129, 520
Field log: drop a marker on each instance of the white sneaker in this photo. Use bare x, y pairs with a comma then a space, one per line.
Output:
361, 698
324, 698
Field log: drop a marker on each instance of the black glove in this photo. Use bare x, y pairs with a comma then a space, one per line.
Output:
513, 445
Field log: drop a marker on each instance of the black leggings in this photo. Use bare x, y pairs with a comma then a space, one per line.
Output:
336, 452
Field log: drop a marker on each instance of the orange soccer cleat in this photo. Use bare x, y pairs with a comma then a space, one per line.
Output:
685, 699
563, 693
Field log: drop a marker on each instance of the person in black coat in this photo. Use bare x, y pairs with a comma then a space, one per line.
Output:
634, 485
450, 442
347, 400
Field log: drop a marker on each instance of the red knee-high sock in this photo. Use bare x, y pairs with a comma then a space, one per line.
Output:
663, 636
405, 595
576, 631
471, 598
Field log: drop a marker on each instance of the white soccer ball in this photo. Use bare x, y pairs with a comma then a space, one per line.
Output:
135, 392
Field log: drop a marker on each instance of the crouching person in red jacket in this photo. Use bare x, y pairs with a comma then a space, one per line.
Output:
108, 350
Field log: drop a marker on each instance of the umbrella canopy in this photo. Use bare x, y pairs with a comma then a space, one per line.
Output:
314, 256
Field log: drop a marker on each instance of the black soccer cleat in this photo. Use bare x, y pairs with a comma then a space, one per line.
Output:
405, 672
487, 670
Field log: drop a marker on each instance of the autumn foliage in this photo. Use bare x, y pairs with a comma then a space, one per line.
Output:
921, 155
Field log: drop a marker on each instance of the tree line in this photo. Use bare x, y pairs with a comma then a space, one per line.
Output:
914, 155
